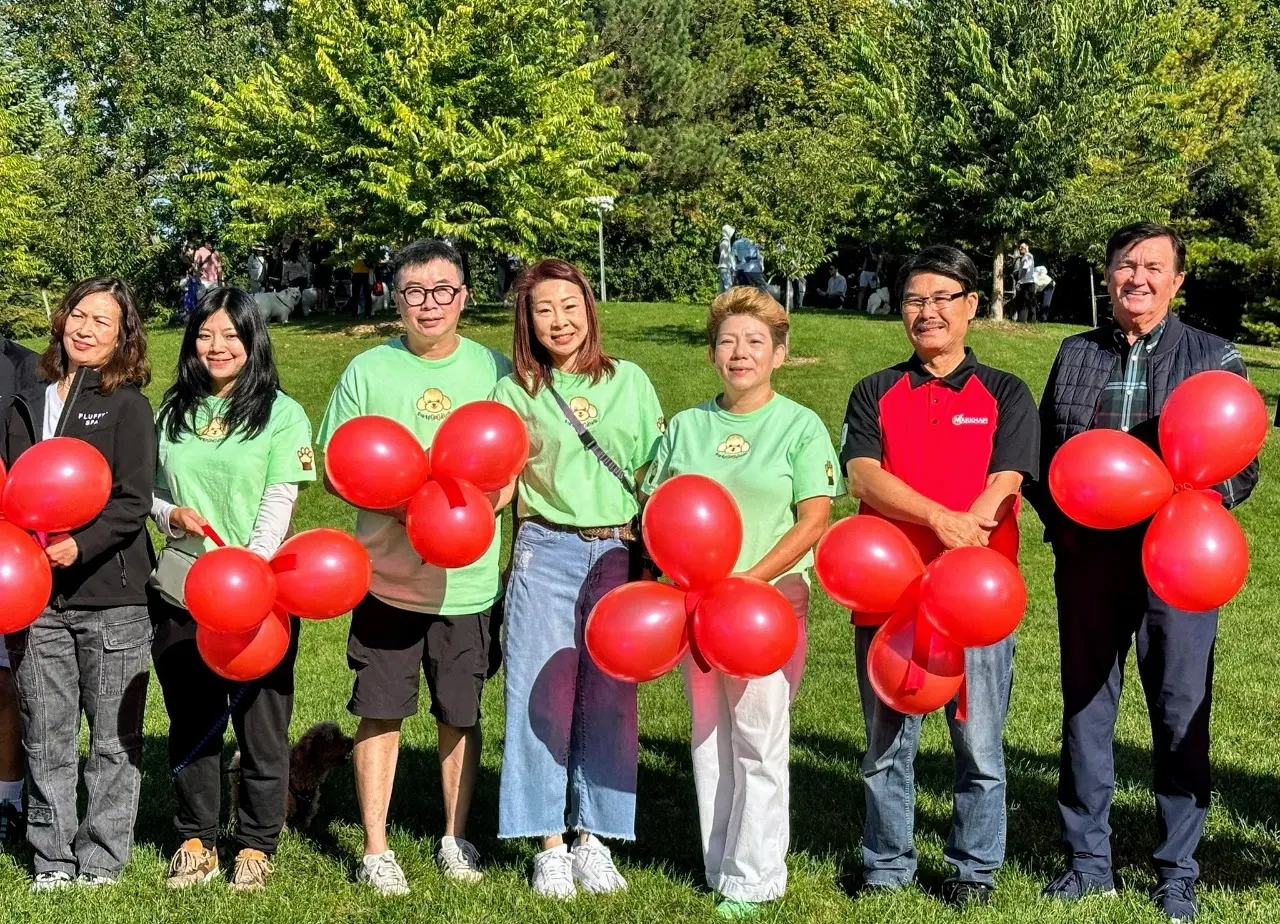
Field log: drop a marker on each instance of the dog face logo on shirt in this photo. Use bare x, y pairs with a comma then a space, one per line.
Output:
734, 445
434, 404
584, 410
214, 431
306, 457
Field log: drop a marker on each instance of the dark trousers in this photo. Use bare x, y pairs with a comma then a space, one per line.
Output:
1104, 605
196, 699
361, 295
1025, 302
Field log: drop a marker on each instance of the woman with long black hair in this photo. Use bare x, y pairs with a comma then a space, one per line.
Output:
233, 449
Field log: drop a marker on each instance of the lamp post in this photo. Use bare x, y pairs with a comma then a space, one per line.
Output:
602, 204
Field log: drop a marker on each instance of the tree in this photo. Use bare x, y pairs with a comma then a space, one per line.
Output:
398, 118
995, 118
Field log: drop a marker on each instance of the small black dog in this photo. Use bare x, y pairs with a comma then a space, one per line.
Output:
321, 749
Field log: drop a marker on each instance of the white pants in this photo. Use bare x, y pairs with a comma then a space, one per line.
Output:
741, 754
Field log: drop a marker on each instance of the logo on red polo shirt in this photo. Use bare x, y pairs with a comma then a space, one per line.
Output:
960, 420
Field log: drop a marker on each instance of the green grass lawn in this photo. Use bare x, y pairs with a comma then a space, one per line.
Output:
1240, 854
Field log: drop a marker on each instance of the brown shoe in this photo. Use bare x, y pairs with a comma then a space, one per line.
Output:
251, 872
193, 864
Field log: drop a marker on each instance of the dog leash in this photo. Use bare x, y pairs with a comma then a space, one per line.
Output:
219, 728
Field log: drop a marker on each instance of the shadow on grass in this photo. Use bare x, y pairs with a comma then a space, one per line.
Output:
827, 810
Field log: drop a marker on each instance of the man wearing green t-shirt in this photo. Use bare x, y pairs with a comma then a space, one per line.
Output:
417, 616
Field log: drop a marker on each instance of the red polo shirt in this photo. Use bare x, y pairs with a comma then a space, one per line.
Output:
943, 437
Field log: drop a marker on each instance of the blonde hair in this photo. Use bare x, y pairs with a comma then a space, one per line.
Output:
750, 301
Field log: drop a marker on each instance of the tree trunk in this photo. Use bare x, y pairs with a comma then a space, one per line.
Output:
997, 283
787, 283
1093, 297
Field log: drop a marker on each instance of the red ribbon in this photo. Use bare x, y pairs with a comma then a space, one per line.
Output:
212, 534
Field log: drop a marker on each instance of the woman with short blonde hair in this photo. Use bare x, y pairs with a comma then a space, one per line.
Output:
775, 457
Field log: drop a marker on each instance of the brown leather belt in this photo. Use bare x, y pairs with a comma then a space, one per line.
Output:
624, 533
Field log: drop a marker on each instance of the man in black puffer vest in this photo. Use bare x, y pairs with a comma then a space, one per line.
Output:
1118, 377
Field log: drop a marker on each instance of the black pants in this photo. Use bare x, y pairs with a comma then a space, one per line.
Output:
1104, 605
196, 698
361, 296
1025, 303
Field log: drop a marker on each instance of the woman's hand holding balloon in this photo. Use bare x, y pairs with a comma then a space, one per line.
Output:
188, 520
63, 553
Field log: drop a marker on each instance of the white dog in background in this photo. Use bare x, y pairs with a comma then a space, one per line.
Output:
878, 301
279, 305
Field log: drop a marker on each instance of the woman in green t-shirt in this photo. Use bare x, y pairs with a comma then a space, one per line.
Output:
594, 422
233, 449
775, 457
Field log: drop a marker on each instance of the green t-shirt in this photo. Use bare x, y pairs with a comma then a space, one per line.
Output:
391, 381
564, 482
769, 460
223, 478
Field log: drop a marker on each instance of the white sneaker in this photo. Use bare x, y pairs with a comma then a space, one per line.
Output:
93, 881
459, 860
383, 873
50, 882
553, 873
593, 866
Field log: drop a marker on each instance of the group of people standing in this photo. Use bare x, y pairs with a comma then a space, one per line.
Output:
227, 435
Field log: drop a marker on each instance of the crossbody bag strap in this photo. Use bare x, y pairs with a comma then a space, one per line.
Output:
589, 442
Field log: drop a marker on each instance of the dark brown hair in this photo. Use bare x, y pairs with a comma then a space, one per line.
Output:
128, 364
531, 359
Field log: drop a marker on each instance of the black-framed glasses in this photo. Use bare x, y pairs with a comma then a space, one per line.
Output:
917, 303
416, 296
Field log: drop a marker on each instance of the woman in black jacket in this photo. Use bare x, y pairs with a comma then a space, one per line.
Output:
89, 648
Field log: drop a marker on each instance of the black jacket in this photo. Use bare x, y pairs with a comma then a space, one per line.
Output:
115, 551
17, 374
1081, 372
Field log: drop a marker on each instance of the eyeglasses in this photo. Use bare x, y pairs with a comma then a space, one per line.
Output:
416, 296
937, 301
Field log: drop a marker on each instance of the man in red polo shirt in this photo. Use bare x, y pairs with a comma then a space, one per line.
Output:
940, 444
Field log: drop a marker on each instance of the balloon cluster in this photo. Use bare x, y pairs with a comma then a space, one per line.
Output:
56, 486
378, 464
1194, 554
240, 601
966, 598
737, 625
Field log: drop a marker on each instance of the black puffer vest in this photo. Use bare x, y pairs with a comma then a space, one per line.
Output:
1081, 371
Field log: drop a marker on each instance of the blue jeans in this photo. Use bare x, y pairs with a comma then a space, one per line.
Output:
976, 844
572, 736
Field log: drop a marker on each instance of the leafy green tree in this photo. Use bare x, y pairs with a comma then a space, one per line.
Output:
388, 120
994, 118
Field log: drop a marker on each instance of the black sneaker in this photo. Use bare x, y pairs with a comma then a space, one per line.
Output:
1177, 899
1074, 885
963, 894
12, 825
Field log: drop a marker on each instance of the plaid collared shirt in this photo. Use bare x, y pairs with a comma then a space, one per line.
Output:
1124, 403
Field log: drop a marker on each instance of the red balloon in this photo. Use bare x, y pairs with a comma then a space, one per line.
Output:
693, 530
4, 476
375, 463
1194, 555
1005, 538
907, 640
865, 563
26, 580
450, 523
321, 573
1105, 479
230, 590
973, 596
638, 631
57, 485
483, 442
745, 628
1212, 425
245, 656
